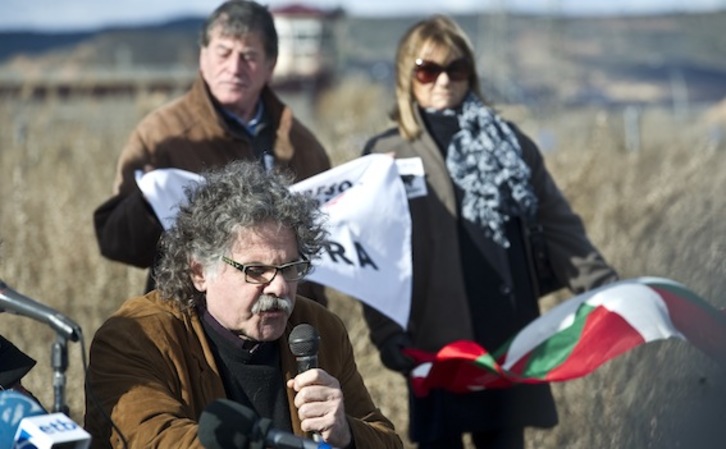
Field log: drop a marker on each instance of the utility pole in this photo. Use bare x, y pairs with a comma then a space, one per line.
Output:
555, 23
495, 66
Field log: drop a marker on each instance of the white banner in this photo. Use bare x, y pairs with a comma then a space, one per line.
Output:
164, 190
368, 253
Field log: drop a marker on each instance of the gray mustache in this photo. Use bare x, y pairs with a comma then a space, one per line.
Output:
266, 303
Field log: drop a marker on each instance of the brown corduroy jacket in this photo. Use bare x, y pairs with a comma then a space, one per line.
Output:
152, 371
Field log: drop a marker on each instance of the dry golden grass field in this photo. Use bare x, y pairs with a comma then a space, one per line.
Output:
660, 211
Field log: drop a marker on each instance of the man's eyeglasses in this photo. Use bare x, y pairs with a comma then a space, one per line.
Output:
264, 274
428, 71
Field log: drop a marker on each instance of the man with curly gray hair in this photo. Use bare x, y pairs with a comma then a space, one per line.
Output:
218, 324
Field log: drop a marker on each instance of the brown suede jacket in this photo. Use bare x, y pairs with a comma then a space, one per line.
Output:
153, 372
190, 134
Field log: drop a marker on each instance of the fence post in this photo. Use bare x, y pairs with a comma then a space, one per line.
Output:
631, 120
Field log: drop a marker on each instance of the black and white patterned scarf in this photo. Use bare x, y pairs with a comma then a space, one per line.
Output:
485, 160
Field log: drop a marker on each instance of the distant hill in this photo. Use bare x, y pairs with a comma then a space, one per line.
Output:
522, 58
35, 43
162, 44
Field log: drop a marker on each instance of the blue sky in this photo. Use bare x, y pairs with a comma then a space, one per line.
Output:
64, 15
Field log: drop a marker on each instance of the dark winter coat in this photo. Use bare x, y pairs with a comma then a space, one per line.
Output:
467, 287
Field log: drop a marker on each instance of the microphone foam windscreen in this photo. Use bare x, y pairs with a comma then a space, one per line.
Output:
14, 406
304, 340
225, 424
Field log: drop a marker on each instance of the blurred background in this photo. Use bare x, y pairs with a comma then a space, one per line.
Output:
627, 100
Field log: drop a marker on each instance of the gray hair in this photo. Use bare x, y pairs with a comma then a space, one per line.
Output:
240, 195
237, 18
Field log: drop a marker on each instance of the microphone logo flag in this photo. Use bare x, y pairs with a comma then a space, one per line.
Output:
52, 431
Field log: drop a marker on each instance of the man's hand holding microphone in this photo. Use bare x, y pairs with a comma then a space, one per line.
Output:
318, 398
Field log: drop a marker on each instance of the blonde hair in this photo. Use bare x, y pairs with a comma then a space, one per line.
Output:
438, 30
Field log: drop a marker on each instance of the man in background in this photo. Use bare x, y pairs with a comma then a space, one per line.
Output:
230, 113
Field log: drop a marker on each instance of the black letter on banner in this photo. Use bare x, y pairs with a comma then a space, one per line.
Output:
363, 257
336, 249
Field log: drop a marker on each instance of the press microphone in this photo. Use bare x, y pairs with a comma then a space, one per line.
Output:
14, 406
14, 302
304, 341
225, 424
53, 431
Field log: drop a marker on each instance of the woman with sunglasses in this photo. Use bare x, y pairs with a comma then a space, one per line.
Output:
474, 276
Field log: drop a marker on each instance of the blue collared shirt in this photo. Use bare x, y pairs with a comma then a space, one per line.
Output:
252, 127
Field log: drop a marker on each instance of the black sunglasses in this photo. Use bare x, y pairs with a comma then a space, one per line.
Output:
428, 71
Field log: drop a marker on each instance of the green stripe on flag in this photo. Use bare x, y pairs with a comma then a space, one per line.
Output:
487, 362
555, 350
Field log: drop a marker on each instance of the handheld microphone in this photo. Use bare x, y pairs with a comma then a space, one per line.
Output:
304, 342
19, 304
225, 424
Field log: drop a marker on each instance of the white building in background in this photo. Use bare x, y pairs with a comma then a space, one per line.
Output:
307, 46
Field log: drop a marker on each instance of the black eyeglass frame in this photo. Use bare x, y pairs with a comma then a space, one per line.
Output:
427, 72
298, 273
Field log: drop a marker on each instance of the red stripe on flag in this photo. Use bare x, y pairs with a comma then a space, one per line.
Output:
462, 366
605, 336
454, 366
